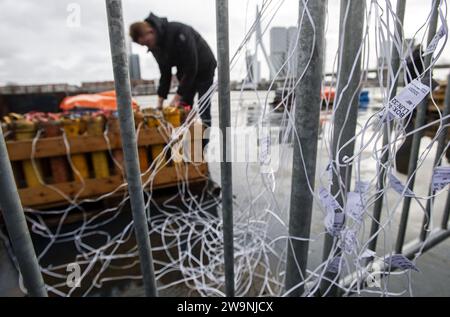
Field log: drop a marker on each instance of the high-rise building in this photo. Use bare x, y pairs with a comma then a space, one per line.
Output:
283, 51
134, 64
278, 50
278, 40
384, 53
135, 67
292, 52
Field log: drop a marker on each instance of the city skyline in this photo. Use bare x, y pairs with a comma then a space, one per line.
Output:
49, 47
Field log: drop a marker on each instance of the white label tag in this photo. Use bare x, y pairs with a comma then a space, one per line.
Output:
328, 200
397, 185
330, 173
401, 262
264, 150
335, 218
367, 254
405, 102
334, 223
362, 187
334, 265
435, 41
355, 206
441, 177
349, 241
438, 36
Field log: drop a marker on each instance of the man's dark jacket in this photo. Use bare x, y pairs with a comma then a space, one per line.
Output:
180, 45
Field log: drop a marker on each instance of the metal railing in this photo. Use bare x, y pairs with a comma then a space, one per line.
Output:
128, 136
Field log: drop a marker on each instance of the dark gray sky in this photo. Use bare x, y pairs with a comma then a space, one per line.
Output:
41, 42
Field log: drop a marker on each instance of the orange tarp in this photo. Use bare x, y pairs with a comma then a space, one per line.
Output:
328, 93
101, 101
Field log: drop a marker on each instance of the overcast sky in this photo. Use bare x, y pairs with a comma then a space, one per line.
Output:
42, 43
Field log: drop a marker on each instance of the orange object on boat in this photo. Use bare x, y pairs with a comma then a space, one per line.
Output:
105, 101
328, 93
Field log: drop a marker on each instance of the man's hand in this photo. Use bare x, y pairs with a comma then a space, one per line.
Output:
160, 103
176, 100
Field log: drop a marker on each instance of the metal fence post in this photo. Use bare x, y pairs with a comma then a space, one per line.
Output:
225, 125
445, 217
16, 224
415, 146
307, 115
442, 138
128, 137
378, 206
345, 117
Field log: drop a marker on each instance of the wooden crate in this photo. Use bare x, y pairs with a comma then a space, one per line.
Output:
44, 196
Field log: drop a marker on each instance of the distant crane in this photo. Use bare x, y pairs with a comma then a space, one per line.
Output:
252, 63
